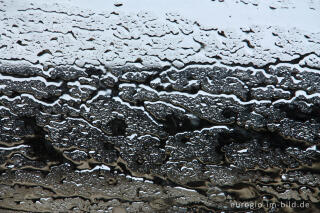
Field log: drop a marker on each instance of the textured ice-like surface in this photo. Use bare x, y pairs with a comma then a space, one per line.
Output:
169, 106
